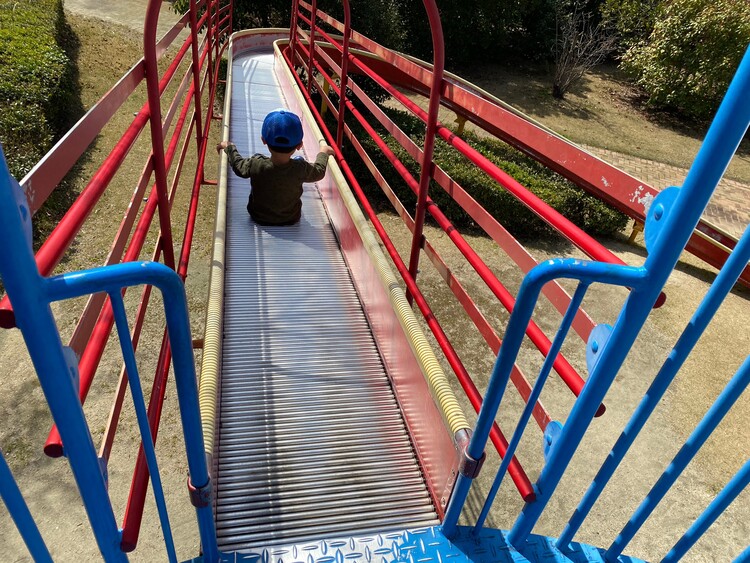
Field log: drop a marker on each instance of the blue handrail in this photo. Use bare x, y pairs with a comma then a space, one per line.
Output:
13, 499
31, 295
671, 220
723, 284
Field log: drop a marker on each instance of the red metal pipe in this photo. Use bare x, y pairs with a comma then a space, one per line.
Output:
344, 74
196, 72
438, 55
515, 470
582, 324
573, 233
51, 252
218, 34
209, 43
566, 371
493, 340
311, 52
293, 28
139, 485
95, 348
564, 226
157, 136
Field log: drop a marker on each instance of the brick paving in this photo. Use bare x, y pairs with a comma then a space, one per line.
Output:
729, 208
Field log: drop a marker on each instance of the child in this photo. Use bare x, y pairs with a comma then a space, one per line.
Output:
276, 194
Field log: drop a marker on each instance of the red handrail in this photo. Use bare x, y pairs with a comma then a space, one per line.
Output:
157, 135
438, 64
515, 470
92, 354
139, 485
567, 373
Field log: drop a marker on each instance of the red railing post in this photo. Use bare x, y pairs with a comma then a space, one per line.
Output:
196, 75
313, 23
231, 18
217, 4
293, 28
344, 73
157, 136
438, 64
209, 43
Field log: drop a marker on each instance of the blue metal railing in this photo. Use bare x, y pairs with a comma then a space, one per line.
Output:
670, 222
31, 295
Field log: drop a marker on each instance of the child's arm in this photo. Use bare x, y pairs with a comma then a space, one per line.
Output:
316, 170
243, 167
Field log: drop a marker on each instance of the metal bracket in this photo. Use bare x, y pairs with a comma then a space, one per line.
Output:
657, 213
201, 497
596, 342
467, 465
551, 434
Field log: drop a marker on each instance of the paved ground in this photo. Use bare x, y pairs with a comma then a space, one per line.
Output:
729, 208
129, 13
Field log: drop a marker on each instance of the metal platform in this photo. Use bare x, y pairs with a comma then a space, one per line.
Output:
311, 443
426, 545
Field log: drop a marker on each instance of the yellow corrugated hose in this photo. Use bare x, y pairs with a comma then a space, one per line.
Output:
436, 379
208, 383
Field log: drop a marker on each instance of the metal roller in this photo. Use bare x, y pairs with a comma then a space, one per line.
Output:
311, 443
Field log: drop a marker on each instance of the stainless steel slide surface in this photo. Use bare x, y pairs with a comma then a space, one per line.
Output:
311, 443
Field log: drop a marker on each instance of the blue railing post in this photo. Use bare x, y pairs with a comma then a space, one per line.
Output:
723, 284
695, 441
112, 279
26, 289
19, 511
722, 140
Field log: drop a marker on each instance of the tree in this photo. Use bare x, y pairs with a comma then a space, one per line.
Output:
692, 54
580, 45
633, 20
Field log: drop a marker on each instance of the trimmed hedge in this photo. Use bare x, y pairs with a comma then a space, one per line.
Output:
36, 80
585, 210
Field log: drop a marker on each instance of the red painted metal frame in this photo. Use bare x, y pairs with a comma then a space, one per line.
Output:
493, 340
562, 366
53, 249
434, 448
582, 323
137, 498
344, 74
515, 470
157, 135
92, 354
438, 65
625, 192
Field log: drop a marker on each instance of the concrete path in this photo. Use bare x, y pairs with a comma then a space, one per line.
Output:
129, 13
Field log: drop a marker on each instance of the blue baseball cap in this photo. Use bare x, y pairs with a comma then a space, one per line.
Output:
282, 128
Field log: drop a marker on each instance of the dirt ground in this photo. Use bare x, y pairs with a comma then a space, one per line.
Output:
53, 497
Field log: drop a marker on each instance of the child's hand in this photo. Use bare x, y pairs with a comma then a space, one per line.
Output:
324, 148
221, 146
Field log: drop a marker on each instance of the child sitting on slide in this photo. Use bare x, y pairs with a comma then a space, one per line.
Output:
276, 182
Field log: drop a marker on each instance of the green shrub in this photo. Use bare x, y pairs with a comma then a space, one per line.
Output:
585, 210
633, 20
36, 80
692, 54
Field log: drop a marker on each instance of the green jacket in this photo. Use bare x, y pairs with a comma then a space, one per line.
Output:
275, 197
